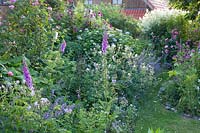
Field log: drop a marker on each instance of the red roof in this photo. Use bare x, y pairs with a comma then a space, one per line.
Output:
135, 13
156, 4
140, 12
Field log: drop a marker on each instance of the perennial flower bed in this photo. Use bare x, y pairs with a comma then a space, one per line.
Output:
67, 67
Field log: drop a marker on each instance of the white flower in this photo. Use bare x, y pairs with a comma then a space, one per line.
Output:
17, 82
36, 104
32, 92
198, 88
79, 37
55, 35
29, 107
44, 101
114, 39
127, 33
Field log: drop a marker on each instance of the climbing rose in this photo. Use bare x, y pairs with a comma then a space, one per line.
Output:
105, 42
63, 46
27, 77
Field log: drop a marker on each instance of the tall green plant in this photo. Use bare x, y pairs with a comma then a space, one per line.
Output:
26, 30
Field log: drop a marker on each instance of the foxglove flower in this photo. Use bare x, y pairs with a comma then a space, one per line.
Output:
63, 46
27, 77
104, 42
13, 1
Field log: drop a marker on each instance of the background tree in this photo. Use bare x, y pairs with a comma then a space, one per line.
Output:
193, 6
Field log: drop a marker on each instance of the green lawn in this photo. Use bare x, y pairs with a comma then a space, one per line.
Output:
153, 114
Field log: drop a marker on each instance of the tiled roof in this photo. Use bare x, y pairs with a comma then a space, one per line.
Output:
156, 4
135, 13
140, 12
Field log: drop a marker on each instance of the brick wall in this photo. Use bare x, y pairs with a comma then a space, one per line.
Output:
99, 1
134, 4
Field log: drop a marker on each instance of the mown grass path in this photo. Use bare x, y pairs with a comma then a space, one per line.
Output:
153, 114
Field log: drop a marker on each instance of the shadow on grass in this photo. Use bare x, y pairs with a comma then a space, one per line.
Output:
152, 114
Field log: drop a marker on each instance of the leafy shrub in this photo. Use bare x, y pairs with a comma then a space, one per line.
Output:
25, 30
160, 23
78, 87
156, 131
181, 89
117, 19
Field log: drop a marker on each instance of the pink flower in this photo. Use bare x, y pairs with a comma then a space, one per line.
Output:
10, 74
193, 51
174, 33
11, 7
174, 57
49, 8
166, 46
13, 1
36, 3
100, 14
70, 1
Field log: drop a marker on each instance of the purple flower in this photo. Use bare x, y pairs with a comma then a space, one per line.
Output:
174, 57
174, 33
100, 14
11, 7
193, 51
36, 3
27, 77
166, 51
187, 57
105, 42
13, 1
199, 45
63, 46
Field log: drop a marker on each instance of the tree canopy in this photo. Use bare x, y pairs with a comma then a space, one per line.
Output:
193, 6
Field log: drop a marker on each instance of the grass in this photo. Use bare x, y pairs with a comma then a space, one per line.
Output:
152, 114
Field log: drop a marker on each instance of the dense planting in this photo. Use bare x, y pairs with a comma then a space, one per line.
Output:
67, 67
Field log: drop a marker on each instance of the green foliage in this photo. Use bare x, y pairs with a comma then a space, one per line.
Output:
181, 89
78, 89
117, 19
192, 6
26, 30
158, 24
156, 131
